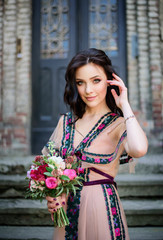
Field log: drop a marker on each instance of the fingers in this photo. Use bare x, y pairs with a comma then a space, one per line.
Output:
49, 199
114, 93
116, 81
55, 203
117, 78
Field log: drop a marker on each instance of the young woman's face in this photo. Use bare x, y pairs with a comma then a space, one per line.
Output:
92, 85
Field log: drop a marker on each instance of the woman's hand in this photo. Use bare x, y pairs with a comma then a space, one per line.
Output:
55, 203
122, 98
137, 143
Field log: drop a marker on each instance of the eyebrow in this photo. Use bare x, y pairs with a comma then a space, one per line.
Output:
90, 78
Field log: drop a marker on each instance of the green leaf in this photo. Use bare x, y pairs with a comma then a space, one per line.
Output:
65, 178
49, 169
67, 191
74, 190
59, 193
48, 174
75, 165
38, 163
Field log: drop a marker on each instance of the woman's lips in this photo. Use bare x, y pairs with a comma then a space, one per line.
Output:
90, 98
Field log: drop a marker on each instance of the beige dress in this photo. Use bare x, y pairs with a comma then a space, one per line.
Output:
95, 213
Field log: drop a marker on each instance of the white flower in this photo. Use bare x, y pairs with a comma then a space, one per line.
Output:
51, 166
58, 161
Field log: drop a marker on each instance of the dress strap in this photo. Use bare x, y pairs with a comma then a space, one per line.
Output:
109, 180
101, 173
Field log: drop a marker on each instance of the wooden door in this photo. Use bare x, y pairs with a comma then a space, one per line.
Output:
61, 28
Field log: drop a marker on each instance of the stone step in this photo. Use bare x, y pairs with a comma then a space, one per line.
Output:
46, 233
15, 165
149, 164
26, 212
134, 185
129, 185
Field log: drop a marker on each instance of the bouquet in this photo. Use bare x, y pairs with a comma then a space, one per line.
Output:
52, 176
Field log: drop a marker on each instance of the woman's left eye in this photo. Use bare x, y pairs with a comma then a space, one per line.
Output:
97, 80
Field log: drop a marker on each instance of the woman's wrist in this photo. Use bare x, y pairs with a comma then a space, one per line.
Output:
126, 109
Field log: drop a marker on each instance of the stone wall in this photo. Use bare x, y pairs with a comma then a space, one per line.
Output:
15, 105
144, 67
144, 23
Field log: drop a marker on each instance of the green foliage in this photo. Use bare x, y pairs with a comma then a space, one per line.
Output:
48, 174
49, 169
65, 178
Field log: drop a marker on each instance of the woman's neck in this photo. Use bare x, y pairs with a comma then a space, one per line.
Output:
96, 111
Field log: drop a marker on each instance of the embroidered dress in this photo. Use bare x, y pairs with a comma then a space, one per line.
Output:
96, 211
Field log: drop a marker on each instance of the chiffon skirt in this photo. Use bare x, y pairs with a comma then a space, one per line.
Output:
99, 215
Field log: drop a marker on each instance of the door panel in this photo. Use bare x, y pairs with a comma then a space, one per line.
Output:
61, 28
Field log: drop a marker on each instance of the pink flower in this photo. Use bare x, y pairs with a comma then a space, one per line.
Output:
114, 212
83, 158
97, 160
85, 140
51, 182
67, 136
71, 173
69, 159
109, 191
101, 126
117, 232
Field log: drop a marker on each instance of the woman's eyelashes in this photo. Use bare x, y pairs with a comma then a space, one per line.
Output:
79, 83
97, 80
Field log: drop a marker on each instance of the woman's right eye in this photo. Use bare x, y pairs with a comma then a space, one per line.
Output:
79, 83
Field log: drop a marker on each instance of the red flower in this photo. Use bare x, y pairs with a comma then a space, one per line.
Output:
38, 158
38, 174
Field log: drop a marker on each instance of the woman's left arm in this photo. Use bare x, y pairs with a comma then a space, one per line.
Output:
137, 143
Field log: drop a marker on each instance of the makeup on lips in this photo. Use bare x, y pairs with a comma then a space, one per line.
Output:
90, 98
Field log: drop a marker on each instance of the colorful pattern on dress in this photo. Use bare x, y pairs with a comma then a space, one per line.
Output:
66, 147
73, 206
98, 128
117, 230
110, 157
68, 137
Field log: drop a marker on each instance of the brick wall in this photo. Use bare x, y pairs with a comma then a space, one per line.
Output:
16, 80
144, 67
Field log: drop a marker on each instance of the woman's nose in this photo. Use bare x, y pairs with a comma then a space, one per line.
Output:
88, 88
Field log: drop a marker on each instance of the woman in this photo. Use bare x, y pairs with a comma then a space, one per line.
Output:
99, 128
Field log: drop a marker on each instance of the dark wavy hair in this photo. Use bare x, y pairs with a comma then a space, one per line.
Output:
71, 96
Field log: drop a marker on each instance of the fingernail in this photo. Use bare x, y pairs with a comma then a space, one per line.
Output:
57, 204
63, 203
54, 210
54, 199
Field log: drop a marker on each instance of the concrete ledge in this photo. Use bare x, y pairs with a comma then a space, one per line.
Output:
129, 185
29, 212
46, 233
